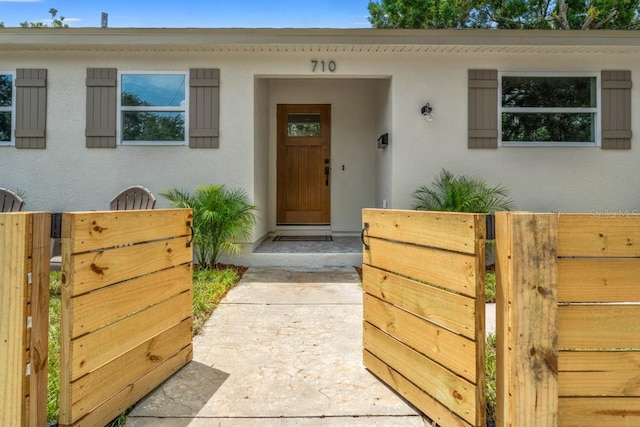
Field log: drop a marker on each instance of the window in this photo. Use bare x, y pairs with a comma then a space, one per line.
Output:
153, 108
6, 108
551, 110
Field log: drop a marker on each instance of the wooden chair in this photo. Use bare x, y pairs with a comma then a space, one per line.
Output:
10, 201
133, 198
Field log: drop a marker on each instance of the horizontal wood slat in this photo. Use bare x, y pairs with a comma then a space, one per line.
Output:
31, 82
30, 133
450, 270
136, 390
437, 343
445, 230
421, 400
103, 229
97, 348
616, 84
212, 82
93, 270
99, 132
591, 373
92, 82
446, 387
483, 133
610, 412
203, 133
598, 279
617, 134
453, 311
599, 327
137, 362
483, 84
110, 303
598, 235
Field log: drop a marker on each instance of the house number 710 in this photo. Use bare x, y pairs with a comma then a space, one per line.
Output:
322, 66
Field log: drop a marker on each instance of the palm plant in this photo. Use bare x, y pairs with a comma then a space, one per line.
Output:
462, 194
221, 218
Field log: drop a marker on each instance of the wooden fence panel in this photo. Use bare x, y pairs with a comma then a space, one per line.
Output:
24, 317
424, 331
127, 308
574, 282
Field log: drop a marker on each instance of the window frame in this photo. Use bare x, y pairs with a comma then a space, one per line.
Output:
597, 110
121, 109
11, 109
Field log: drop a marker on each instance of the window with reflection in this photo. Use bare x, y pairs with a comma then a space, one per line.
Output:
6, 108
549, 109
153, 108
303, 124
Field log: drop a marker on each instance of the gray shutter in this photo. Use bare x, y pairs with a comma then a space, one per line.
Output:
483, 109
616, 109
31, 108
100, 131
204, 107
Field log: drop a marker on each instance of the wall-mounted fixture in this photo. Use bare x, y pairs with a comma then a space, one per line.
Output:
427, 112
383, 141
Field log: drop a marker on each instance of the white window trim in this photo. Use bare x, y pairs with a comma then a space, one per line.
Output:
11, 109
596, 110
169, 109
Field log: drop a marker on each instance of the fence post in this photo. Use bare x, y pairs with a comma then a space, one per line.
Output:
527, 352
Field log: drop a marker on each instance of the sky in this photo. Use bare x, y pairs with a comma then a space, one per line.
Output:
192, 13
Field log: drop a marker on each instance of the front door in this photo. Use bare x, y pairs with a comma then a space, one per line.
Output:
304, 164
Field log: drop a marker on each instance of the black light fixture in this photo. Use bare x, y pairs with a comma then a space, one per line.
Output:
427, 112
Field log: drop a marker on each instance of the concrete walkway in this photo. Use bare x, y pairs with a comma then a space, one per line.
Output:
283, 349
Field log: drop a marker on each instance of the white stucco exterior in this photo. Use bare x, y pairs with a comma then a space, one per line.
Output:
380, 82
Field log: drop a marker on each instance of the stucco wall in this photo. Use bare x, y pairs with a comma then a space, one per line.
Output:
372, 93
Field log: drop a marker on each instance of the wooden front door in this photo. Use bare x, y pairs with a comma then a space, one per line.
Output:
304, 164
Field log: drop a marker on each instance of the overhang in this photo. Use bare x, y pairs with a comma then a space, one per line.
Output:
320, 40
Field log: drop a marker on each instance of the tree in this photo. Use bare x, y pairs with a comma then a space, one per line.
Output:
506, 14
55, 22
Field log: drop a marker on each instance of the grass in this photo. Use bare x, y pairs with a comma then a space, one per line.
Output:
209, 287
490, 377
490, 287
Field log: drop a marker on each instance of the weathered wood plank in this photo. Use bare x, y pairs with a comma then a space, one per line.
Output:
449, 270
138, 389
14, 232
599, 327
588, 412
106, 305
93, 270
434, 342
532, 278
419, 398
453, 311
95, 349
39, 335
446, 230
598, 279
592, 373
504, 362
450, 390
90, 391
599, 235
104, 229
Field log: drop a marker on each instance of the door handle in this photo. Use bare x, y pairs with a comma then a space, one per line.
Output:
327, 169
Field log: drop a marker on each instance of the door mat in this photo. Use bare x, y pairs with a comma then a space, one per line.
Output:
303, 239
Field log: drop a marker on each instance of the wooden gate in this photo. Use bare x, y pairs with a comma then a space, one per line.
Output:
126, 308
424, 308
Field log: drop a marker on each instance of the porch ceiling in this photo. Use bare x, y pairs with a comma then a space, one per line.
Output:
321, 40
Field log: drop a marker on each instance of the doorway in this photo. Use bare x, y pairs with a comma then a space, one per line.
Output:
304, 164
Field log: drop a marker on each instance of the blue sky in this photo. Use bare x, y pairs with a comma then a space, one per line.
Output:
193, 13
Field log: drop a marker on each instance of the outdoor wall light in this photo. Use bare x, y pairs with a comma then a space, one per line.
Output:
427, 112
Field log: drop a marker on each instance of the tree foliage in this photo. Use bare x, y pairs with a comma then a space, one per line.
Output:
506, 14
55, 22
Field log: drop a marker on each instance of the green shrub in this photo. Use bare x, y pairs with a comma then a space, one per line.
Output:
461, 194
220, 218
